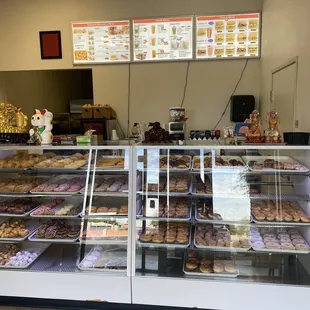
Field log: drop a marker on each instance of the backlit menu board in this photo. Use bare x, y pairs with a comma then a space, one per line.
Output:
163, 39
101, 42
228, 36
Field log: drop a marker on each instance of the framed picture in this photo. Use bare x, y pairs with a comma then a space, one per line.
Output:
50, 44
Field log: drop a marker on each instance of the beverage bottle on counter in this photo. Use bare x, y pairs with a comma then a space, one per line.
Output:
135, 131
217, 134
208, 134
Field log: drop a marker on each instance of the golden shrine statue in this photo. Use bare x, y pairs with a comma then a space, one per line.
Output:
272, 134
254, 133
12, 120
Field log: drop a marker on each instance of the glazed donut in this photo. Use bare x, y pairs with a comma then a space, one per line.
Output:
205, 269
191, 265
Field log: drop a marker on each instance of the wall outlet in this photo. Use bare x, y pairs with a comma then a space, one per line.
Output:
296, 124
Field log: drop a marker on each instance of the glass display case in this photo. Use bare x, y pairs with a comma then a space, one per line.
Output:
160, 225
65, 214
222, 219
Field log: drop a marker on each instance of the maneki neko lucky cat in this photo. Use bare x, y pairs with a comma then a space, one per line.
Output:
42, 123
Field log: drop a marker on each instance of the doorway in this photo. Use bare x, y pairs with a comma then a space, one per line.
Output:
284, 94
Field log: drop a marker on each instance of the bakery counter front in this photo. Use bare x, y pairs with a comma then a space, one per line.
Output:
65, 214
222, 219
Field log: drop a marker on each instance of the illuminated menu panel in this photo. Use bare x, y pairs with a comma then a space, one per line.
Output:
163, 39
101, 42
228, 36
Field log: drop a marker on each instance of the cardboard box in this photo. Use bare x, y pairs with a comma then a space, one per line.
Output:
112, 112
101, 112
87, 111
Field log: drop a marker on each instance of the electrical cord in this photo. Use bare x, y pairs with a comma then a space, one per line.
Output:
128, 102
186, 82
241, 76
120, 127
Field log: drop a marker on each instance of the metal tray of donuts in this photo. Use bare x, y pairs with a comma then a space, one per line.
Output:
164, 245
157, 167
19, 215
64, 193
107, 168
31, 225
281, 159
69, 222
225, 169
116, 260
219, 222
219, 248
58, 208
274, 223
216, 261
38, 248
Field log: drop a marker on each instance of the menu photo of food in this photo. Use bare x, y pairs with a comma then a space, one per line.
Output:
100, 42
226, 36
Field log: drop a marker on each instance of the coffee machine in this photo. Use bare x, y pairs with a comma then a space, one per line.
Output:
177, 124
177, 130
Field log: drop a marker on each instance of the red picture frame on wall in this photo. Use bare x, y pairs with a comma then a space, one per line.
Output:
50, 44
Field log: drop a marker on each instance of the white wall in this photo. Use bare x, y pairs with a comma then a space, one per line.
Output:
286, 25
155, 87
2, 87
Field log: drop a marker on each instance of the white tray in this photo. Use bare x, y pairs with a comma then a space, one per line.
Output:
122, 255
169, 169
30, 224
26, 247
261, 159
221, 168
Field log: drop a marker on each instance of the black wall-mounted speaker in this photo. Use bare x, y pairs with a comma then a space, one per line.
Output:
241, 107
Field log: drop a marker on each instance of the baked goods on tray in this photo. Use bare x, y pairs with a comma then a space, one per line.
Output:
196, 263
270, 163
167, 233
112, 184
23, 160
18, 206
22, 258
61, 185
220, 236
271, 238
53, 208
175, 162
203, 187
8, 251
205, 210
219, 162
57, 229
177, 184
174, 207
107, 162
278, 211
121, 210
74, 161
99, 259
13, 229
19, 185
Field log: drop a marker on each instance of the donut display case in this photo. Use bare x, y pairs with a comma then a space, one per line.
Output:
112, 221
65, 215
247, 230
